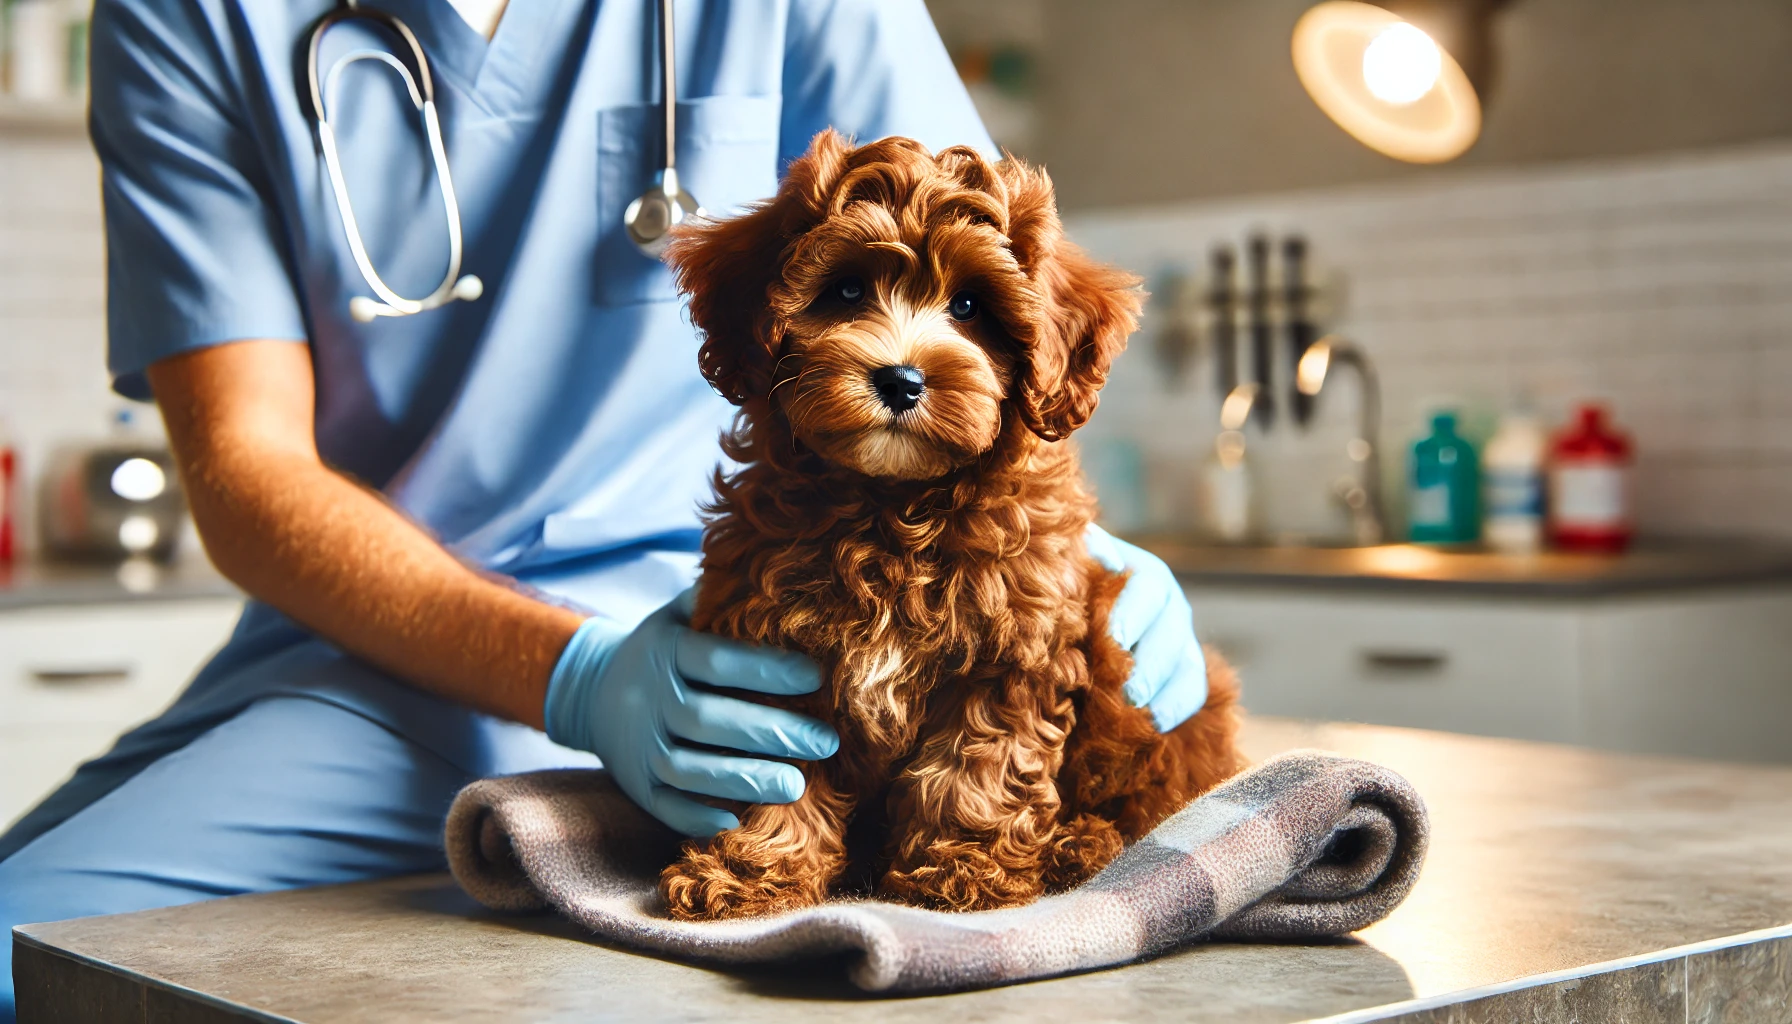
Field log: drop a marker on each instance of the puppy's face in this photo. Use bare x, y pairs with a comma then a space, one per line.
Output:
897, 309
898, 363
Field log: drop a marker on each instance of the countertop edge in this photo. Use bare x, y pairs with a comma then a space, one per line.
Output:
1467, 995
31, 585
119, 596
1562, 591
22, 937
1662, 567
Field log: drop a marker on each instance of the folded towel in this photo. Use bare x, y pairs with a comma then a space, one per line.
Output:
1306, 844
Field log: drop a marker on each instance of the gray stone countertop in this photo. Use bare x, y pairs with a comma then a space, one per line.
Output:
1562, 884
36, 584
1413, 568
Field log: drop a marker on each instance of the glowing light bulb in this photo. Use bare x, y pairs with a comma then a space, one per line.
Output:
138, 534
138, 479
1401, 64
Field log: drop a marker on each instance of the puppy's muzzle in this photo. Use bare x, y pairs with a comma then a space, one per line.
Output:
899, 387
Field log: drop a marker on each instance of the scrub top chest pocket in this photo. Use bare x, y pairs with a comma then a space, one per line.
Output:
727, 157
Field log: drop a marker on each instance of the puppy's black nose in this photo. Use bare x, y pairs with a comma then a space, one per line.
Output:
899, 387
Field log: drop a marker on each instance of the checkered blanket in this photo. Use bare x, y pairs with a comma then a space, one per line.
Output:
1306, 844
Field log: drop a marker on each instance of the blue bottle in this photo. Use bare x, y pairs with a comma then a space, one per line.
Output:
1445, 482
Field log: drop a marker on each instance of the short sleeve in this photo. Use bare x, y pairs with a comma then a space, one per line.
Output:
195, 252
869, 69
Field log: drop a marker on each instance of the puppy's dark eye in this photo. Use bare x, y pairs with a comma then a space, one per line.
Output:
964, 306
850, 290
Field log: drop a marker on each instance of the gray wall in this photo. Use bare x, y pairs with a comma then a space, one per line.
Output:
1154, 100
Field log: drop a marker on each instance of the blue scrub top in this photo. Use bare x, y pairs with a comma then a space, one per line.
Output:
557, 429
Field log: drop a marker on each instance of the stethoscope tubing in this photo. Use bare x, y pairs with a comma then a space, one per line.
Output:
648, 220
352, 9
421, 87
422, 93
669, 82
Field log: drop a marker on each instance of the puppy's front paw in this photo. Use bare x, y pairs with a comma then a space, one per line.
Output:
706, 886
1082, 848
957, 875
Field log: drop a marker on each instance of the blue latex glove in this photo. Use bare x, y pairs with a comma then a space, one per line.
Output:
625, 695
1152, 619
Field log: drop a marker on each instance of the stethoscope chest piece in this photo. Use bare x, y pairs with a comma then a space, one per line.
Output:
650, 219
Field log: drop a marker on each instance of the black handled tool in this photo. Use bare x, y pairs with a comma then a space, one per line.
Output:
1300, 326
1257, 299
1220, 299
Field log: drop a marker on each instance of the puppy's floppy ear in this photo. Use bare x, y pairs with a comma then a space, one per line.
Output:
1087, 310
728, 266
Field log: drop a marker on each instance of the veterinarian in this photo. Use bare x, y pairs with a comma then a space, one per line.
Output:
467, 526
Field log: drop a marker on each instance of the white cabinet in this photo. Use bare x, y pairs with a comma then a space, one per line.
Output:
1480, 668
73, 677
1706, 673
1709, 675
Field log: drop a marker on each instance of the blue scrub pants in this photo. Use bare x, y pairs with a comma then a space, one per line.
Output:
291, 791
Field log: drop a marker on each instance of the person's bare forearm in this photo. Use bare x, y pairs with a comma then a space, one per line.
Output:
333, 555
340, 561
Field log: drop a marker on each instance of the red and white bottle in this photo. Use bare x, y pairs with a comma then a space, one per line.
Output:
1589, 485
9, 498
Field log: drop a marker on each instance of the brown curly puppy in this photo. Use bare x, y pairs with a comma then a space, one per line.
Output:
908, 336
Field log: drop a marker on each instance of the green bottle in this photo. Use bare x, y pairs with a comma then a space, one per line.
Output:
1445, 506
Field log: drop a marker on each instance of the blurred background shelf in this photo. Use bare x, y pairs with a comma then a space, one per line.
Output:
43, 117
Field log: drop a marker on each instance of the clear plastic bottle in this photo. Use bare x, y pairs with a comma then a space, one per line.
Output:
1512, 485
1227, 493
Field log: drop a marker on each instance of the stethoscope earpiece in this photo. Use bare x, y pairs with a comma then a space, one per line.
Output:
365, 310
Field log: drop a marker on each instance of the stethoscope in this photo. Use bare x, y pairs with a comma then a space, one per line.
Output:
648, 220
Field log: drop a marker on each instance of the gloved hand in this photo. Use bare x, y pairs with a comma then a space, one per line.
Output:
1152, 619
625, 695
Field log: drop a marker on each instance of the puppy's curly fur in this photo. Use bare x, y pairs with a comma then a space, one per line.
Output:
931, 559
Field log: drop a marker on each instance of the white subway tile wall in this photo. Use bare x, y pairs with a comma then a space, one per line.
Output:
53, 383
1661, 286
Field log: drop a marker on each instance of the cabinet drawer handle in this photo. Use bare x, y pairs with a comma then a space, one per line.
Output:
1405, 663
88, 674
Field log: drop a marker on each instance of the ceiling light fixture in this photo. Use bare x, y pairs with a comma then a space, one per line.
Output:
1401, 65
1407, 78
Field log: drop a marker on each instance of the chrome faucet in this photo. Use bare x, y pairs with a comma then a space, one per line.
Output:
1361, 496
